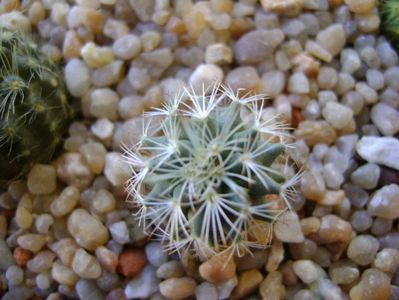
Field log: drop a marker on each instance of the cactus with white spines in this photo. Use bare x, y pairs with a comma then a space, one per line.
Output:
207, 174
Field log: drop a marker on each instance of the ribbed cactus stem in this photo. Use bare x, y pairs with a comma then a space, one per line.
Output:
203, 179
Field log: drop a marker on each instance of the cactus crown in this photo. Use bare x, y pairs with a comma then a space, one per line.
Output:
206, 175
389, 10
34, 111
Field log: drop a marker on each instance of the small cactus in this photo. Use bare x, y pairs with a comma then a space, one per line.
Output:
209, 172
389, 11
34, 111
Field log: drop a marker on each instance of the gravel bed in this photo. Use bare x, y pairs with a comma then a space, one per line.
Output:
67, 231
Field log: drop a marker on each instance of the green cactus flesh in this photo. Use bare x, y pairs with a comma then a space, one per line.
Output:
389, 11
34, 111
203, 176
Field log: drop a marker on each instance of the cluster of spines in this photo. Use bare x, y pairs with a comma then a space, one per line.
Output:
389, 11
202, 174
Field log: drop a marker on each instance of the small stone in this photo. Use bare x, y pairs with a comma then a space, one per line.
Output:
32, 242
88, 290
248, 282
381, 226
108, 74
102, 129
217, 269
157, 61
132, 262
95, 56
116, 170
107, 259
350, 61
272, 286
334, 229
71, 45
87, 230
23, 217
77, 77
63, 274
21, 256
384, 202
243, 78
115, 29
288, 228
318, 51
361, 220
386, 118
373, 285
156, 255
42, 179
144, 285
206, 291
117, 294
65, 202
369, 95
257, 45
387, 260
138, 78
380, 150
312, 185
72, 169
332, 38
366, 176
298, 83
333, 198
170, 269
306, 250
360, 6
205, 76
306, 270
218, 54
310, 225
41, 262
329, 290
362, 249
86, 265
387, 54
288, 7
131, 106
224, 289
65, 249
343, 272
104, 103
119, 232
315, 132
105, 202
127, 47
150, 40
256, 260
43, 223
276, 256
178, 288
337, 115
272, 83
14, 275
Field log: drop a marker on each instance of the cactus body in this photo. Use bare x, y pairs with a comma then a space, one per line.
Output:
389, 11
207, 176
34, 111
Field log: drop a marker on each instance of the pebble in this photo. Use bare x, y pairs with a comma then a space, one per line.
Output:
329, 290
386, 118
360, 6
87, 230
334, 229
31, 241
102, 129
178, 288
86, 265
65, 249
387, 54
127, 47
105, 202
312, 185
116, 170
170, 269
132, 262
63, 274
257, 45
298, 83
205, 76
248, 282
361, 220
387, 260
350, 61
343, 272
77, 77
104, 103
88, 290
41, 262
42, 179
218, 54
337, 115
289, 7
65, 202
315, 132
384, 202
107, 259
272, 286
206, 291
95, 56
73, 170
373, 285
288, 228
21, 256
14, 275
144, 285
334, 197
23, 217
156, 255
255, 260
130, 106
366, 176
108, 75
306, 270
332, 38
138, 78
43, 223
218, 269
44, 281
379, 150
157, 61
362, 249
272, 83
119, 232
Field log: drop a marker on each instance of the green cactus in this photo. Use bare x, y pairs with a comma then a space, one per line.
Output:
389, 11
204, 177
34, 110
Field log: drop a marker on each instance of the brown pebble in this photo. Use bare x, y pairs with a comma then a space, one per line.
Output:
131, 262
315, 132
218, 269
297, 117
21, 256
